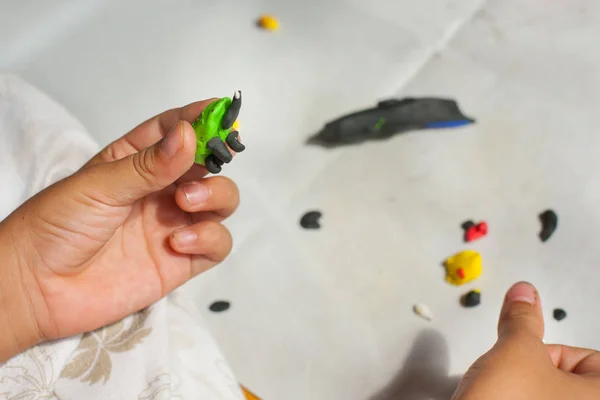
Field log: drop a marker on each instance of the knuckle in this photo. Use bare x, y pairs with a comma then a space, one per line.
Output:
519, 312
114, 152
521, 322
108, 154
144, 164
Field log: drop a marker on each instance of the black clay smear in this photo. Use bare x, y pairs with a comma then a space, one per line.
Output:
219, 306
310, 220
389, 118
549, 221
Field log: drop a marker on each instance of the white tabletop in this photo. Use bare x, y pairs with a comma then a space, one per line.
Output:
328, 314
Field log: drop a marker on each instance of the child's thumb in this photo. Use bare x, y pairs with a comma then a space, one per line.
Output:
521, 313
520, 333
124, 181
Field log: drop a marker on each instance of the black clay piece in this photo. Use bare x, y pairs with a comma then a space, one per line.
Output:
219, 150
234, 143
212, 164
471, 299
219, 306
233, 111
549, 221
391, 117
310, 220
559, 314
467, 224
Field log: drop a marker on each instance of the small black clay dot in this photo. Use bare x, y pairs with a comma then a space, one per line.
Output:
467, 224
559, 314
219, 306
310, 220
471, 299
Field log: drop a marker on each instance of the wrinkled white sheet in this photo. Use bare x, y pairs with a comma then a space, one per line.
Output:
327, 314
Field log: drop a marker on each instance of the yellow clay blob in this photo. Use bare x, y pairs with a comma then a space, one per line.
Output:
236, 126
268, 22
463, 267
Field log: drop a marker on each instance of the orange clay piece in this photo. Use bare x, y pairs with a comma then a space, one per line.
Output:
463, 267
249, 395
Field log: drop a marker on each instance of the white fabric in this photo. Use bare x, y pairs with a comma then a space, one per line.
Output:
40, 142
164, 352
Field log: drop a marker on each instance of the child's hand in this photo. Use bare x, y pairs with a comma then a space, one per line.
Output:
133, 224
521, 367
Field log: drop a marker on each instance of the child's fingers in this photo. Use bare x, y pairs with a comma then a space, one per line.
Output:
195, 173
208, 238
574, 359
217, 194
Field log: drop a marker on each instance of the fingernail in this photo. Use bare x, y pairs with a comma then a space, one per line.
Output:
184, 237
522, 292
195, 193
173, 141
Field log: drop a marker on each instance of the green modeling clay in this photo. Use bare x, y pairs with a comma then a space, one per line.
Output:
213, 130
